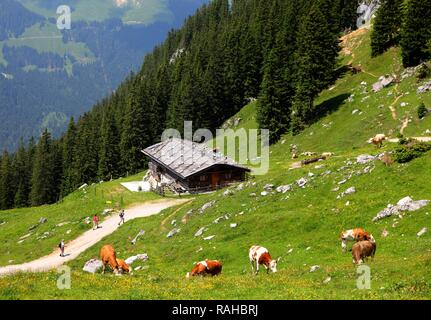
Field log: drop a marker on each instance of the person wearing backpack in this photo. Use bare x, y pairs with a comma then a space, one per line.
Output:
61, 245
121, 217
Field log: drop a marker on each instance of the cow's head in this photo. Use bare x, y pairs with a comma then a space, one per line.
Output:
273, 265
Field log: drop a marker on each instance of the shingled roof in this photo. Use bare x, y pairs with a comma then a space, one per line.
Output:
187, 158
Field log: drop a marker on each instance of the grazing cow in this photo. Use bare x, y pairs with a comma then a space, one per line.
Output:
326, 155
123, 266
109, 257
260, 256
378, 140
357, 234
362, 250
207, 267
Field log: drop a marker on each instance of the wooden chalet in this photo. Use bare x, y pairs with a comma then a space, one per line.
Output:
192, 167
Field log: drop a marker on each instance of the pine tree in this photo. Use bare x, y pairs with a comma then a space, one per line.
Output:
42, 181
6, 182
416, 32
386, 28
22, 170
109, 158
348, 15
316, 59
135, 132
69, 182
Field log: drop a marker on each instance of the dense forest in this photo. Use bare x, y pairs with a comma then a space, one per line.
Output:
49, 75
284, 53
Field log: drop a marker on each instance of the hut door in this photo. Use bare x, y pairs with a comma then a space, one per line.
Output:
215, 179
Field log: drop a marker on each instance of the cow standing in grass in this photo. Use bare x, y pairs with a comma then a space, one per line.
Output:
378, 139
207, 267
357, 234
362, 250
260, 256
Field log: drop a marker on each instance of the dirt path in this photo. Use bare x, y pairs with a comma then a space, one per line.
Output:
421, 139
90, 238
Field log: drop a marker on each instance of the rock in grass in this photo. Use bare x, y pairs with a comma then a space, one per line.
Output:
209, 238
233, 225
206, 206
43, 220
93, 266
200, 232
422, 232
173, 232
314, 268
327, 280
302, 182
284, 189
141, 257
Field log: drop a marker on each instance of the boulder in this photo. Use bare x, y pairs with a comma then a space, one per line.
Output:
173, 232
233, 225
422, 232
365, 158
264, 193
43, 220
228, 192
209, 238
424, 88
140, 234
206, 206
383, 82
200, 232
302, 182
405, 204
268, 187
93, 266
284, 189
314, 268
141, 257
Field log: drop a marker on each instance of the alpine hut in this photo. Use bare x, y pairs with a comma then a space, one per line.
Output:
186, 166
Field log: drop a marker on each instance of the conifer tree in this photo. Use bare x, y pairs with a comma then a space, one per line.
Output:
416, 32
22, 171
42, 181
69, 182
109, 158
386, 28
6, 182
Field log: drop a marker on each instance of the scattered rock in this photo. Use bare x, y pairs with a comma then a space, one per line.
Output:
308, 248
87, 220
173, 232
383, 82
268, 187
33, 227
355, 111
290, 251
349, 191
137, 268
237, 122
62, 224
68, 231
140, 234
206, 206
43, 220
187, 216
405, 204
320, 166
342, 182
327, 280
200, 232
83, 186
424, 88
422, 232
26, 236
240, 187
107, 212
93, 266
253, 194
227, 193
173, 222
233, 225
264, 193
350, 99
284, 189
310, 174
141, 257
302, 182
209, 238
314, 268
365, 158
385, 233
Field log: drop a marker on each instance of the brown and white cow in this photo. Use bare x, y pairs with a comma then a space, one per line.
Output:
207, 267
362, 250
109, 257
260, 256
123, 266
378, 140
357, 234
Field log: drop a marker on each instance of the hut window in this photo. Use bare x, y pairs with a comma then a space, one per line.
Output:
203, 178
228, 175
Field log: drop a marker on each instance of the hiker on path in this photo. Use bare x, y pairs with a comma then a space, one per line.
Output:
95, 222
121, 217
61, 245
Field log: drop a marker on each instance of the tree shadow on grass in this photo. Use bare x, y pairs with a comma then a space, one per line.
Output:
329, 106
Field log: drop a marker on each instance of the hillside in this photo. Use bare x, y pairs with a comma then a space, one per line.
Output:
301, 226
48, 75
